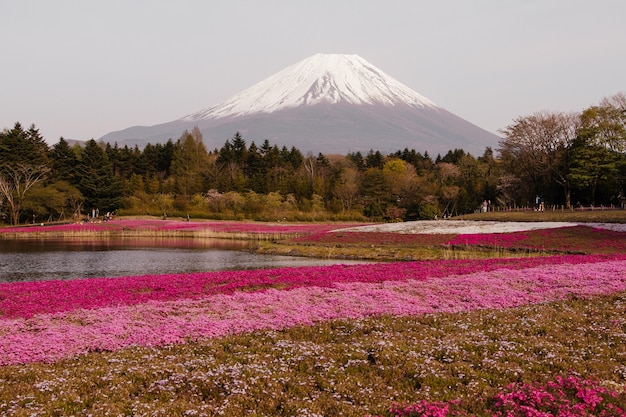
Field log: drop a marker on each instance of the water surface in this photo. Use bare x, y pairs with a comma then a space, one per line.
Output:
62, 258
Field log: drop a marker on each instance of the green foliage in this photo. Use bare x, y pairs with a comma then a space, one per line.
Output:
376, 193
64, 162
55, 201
598, 154
96, 180
22, 147
592, 167
428, 212
190, 163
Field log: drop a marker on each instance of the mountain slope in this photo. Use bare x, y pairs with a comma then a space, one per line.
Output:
327, 103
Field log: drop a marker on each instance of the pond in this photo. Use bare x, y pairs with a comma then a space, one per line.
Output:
63, 259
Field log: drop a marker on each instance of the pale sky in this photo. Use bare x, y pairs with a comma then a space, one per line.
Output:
81, 69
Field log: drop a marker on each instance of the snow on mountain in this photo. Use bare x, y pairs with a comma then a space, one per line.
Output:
321, 78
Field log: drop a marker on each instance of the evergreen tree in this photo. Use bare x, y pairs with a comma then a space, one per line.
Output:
375, 193
147, 161
231, 163
123, 160
36, 147
18, 146
275, 163
101, 189
374, 159
453, 156
295, 158
357, 159
165, 157
239, 150
64, 162
255, 170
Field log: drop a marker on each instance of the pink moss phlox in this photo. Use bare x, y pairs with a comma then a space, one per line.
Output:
564, 396
427, 409
506, 240
571, 239
177, 225
25, 299
569, 396
47, 337
253, 227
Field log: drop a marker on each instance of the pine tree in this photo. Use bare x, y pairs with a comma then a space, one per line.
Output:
64, 162
101, 189
18, 146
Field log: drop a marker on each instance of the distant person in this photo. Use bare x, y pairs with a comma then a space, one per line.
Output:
537, 202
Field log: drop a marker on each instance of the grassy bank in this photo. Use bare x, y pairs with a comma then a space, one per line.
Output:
583, 216
390, 253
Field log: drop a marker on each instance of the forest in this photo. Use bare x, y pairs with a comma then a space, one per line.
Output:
564, 160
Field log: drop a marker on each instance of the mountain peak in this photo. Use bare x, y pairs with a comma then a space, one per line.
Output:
319, 79
329, 103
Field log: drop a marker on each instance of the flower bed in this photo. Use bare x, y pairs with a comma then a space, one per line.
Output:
570, 239
569, 396
579, 239
26, 299
223, 303
117, 226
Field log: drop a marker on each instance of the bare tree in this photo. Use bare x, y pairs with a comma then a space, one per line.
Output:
535, 149
15, 182
508, 185
445, 171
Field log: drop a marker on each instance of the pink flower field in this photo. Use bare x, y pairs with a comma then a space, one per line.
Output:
227, 331
47, 321
26, 299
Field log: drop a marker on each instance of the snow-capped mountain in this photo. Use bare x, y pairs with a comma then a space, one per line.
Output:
329, 103
320, 79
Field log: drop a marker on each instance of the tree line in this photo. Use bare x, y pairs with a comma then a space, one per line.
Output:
566, 159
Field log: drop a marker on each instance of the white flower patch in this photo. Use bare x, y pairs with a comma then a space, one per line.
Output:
464, 227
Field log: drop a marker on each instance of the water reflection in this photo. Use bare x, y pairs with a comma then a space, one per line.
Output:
45, 259
116, 243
